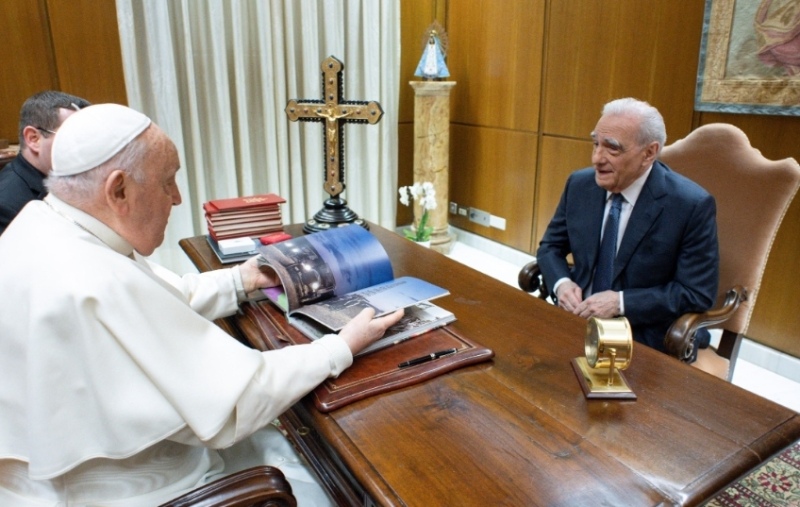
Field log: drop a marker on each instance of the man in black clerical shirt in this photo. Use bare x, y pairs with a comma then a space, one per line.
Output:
22, 180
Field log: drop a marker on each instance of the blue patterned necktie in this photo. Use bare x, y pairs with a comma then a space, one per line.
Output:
604, 271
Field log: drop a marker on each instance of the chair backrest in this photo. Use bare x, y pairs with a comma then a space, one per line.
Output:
752, 195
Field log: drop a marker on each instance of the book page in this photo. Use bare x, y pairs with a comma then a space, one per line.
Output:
331, 263
418, 320
384, 298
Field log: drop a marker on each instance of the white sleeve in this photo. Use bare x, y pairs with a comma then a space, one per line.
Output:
285, 376
212, 294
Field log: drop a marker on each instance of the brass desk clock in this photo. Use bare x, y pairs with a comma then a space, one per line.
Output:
609, 348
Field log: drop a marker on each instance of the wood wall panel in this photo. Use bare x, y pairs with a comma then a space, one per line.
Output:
776, 316
69, 45
495, 56
405, 169
559, 157
87, 49
599, 51
27, 59
494, 170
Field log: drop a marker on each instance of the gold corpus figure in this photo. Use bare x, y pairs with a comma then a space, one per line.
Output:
332, 116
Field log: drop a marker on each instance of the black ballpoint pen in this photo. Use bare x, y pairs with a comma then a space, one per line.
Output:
425, 359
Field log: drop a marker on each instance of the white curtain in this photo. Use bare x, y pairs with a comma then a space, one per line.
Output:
216, 76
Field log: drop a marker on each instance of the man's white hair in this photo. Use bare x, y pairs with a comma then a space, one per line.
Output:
651, 123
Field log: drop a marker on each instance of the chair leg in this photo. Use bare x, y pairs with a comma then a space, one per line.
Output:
729, 345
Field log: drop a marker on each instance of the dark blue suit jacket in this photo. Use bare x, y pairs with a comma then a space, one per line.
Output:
668, 261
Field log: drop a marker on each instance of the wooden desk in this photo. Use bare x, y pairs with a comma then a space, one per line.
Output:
517, 430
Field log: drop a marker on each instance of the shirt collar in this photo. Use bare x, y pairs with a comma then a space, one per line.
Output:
631, 194
91, 225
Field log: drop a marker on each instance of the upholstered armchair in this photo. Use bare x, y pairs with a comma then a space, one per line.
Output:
262, 486
752, 195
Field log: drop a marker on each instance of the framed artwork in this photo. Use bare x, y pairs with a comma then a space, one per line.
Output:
750, 58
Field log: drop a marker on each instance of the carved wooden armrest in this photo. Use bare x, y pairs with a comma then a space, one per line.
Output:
262, 486
679, 340
530, 279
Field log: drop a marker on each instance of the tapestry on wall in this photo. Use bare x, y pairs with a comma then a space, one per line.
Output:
750, 58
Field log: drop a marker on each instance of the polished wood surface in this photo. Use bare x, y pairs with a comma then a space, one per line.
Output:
518, 430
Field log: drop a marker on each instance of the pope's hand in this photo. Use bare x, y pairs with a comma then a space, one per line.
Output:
257, 275
363, 329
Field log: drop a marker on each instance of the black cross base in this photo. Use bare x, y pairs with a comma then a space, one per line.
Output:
334, 213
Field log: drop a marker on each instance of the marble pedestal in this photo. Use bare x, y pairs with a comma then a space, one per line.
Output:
432, 153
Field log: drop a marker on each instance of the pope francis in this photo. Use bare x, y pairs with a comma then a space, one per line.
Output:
117, 389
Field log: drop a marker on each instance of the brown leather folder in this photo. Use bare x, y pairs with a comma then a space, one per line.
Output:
374, 373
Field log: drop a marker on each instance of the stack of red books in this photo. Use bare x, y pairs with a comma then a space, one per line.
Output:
240, 217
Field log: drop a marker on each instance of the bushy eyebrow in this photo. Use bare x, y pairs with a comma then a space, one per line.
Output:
610, 142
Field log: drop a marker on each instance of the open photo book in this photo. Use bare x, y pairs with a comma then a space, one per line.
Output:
328, 277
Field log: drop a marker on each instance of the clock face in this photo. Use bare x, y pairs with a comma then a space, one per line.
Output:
607, 341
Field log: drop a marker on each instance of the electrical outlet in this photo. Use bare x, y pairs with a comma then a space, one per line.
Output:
453, 208
462, 211
480, 217
498, 222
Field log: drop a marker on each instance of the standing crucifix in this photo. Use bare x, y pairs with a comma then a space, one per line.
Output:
333, 111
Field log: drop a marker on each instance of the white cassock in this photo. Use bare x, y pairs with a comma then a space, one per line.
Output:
117, 388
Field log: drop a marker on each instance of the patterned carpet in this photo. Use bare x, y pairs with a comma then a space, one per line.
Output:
775, 483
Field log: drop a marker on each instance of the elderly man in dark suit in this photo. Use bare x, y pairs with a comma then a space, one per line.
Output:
661, 256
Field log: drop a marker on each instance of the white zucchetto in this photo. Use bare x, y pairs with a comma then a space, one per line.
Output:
93, 135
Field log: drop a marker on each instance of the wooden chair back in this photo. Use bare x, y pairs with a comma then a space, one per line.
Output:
752, 195
259, 486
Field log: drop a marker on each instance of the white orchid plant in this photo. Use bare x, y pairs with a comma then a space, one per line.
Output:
425, 195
